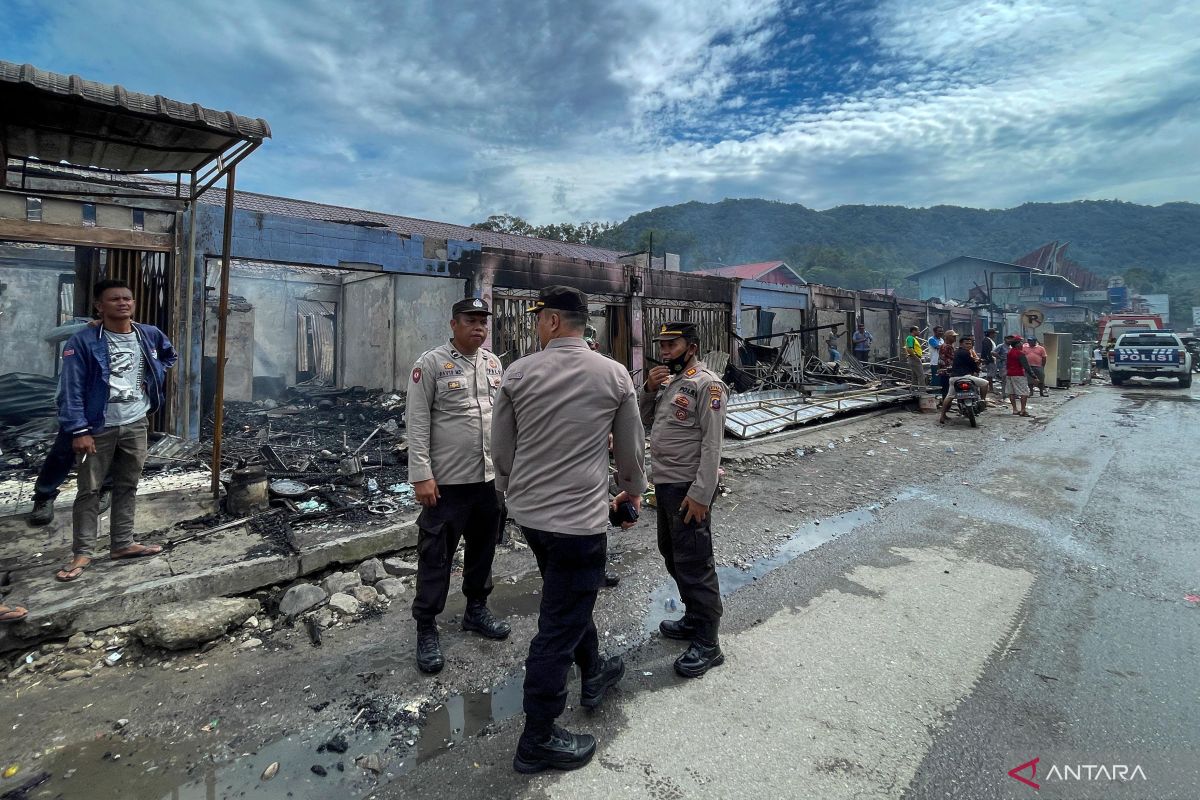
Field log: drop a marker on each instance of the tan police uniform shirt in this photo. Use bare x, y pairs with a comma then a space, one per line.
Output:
550, 432
687, 419
449, 416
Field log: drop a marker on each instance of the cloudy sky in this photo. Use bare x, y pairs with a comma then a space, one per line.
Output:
597, 109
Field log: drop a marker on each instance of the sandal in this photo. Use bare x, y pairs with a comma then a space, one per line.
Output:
136, 551
1025, 414
71, 572
12, 614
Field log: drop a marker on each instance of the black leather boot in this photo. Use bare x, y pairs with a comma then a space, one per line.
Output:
704, 654
558, 749
607, 675
429, 649
479, 619
683, 629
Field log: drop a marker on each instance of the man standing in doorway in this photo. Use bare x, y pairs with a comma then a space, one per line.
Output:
449, 420
915, 354
685, 403
113, 378
860, 342
550, 434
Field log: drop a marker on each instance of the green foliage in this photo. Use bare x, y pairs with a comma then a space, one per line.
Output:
859, 246
580, 233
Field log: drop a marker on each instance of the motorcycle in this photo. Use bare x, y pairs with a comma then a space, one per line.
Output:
967, 400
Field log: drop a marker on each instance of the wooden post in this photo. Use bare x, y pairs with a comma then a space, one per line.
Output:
222, 320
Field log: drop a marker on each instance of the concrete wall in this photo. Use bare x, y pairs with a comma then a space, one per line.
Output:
366, 346
422, 318
239, 350
273, 293
29, 306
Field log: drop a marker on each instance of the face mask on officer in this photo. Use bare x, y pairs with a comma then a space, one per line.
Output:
679, 364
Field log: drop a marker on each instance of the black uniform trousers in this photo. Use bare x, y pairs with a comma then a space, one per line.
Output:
572, 570
687, 549
465, 511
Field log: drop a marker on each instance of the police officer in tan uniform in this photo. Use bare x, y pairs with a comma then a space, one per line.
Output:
449, 426
684, 403
550, 434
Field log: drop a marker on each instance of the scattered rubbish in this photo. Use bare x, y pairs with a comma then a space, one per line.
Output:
311, 505
318, 770
1192, 598
372, 762
902, 449
113, 657
271, 770
950, 449
669, 605
336, 744
286, 487
210, 726
646, 673
314, 631
11, 769
1070, 488
121, 723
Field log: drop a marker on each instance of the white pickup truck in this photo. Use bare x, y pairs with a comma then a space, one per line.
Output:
1150, 354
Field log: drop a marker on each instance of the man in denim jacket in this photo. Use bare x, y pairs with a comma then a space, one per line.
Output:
113, 378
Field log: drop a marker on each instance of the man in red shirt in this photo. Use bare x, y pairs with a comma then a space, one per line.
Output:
1016, 384
1035, 354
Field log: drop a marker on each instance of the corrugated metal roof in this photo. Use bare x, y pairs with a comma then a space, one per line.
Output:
749, 272
289, 207
56, 117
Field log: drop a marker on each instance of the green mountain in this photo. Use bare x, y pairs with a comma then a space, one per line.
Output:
1157, 248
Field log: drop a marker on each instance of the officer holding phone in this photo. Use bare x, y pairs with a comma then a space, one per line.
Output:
684, 403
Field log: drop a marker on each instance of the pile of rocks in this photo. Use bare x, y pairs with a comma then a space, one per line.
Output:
81, 656
343, 595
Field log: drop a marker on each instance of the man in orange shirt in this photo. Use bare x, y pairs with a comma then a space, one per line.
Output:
1035, 354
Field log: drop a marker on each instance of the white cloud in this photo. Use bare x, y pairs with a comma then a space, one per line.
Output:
588, 109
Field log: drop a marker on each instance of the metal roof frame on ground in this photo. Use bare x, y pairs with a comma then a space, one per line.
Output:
105, 129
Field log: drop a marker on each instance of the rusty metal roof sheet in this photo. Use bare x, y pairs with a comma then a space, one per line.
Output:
289, 207
57, 117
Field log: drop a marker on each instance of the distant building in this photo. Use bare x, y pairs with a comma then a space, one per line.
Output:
763, 271
968, 278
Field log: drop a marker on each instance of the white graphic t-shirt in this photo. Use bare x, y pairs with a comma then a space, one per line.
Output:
127, 400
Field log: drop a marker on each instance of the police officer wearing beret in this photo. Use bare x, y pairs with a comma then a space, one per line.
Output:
550, 434
449, 426
684, 403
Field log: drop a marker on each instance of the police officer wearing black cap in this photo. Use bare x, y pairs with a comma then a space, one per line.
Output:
449, 426
550, 433
684, 403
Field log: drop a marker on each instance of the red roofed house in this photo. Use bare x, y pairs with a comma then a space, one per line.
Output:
764, 271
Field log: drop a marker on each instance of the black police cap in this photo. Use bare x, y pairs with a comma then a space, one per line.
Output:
470, 305
560, 298
674, 330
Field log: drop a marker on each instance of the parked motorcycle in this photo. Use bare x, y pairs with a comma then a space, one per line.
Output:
1192, 344
967, 400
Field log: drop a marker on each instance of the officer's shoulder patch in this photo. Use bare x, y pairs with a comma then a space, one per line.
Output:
681, 415
70, 351
691, 372
448, 365
416, 374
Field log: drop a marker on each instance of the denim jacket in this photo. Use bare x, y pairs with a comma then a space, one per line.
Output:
83, 387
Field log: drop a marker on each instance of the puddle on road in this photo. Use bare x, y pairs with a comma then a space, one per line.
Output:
664, 600
140, 769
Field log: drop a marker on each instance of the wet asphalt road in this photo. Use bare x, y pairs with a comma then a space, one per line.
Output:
1032, 607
